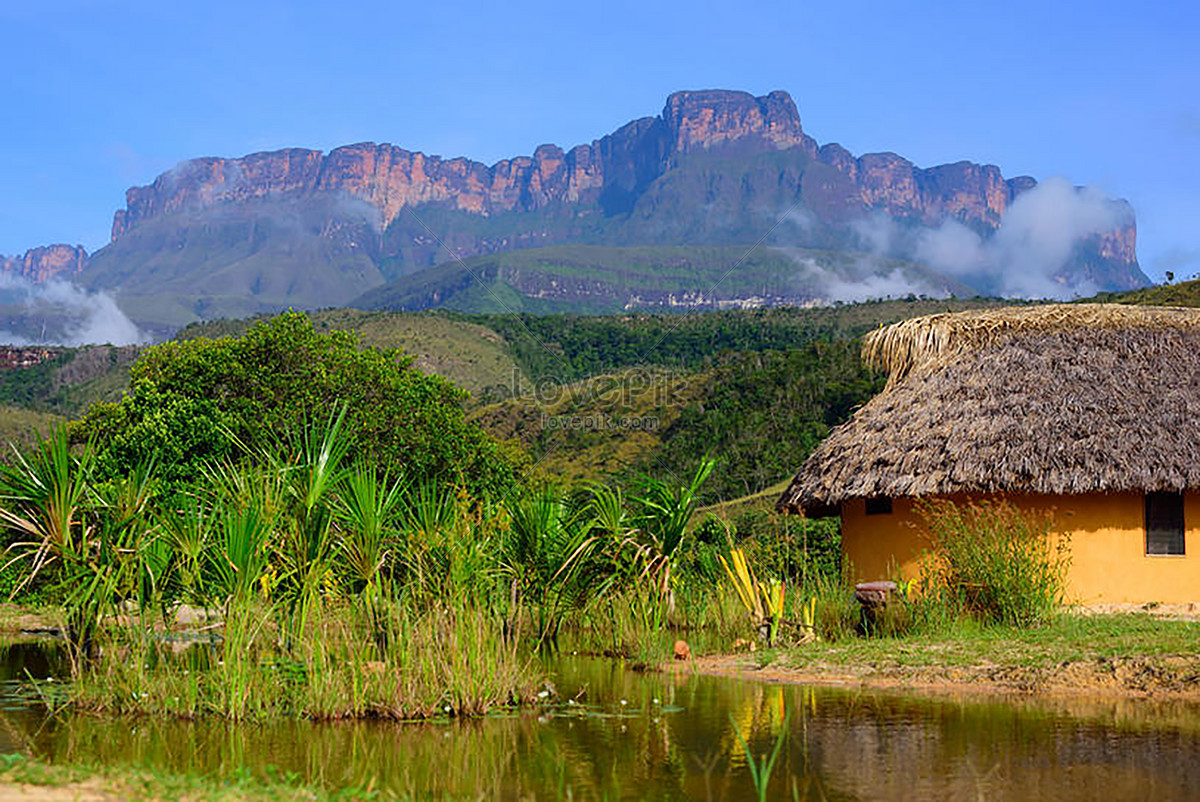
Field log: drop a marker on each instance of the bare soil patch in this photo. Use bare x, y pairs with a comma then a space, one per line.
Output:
16, 621
88, 791
1163, 677
1185, 611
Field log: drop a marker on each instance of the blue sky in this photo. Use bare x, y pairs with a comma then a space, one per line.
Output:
99, 96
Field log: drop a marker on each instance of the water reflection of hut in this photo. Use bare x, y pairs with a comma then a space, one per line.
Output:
1089, 412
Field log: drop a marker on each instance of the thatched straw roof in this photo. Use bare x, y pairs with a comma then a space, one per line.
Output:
1056, 399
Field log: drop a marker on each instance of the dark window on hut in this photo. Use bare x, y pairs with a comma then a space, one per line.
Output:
1164, 523
879, 505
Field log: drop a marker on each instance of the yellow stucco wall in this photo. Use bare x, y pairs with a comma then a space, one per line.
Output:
1108, 553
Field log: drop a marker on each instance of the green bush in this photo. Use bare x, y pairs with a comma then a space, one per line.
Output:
187, 397
994, 562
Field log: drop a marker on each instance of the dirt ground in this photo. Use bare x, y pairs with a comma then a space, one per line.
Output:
1172, 677
16, 620
1187, 611
89, 791
1167, 677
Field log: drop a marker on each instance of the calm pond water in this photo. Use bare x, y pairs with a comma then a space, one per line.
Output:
630, 735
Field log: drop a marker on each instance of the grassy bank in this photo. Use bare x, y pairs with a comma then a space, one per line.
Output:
1101, 653
437, 663
1068, 637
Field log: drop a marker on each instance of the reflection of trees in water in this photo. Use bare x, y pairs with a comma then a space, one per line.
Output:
839, 743
907, 747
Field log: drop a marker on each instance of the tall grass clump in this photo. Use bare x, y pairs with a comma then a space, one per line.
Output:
833, 609
336, 591
994, 562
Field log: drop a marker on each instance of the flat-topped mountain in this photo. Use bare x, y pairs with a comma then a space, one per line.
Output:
234, 236
46, 262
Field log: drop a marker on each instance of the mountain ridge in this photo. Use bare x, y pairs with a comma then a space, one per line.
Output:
45, 262
297, 227
390, 178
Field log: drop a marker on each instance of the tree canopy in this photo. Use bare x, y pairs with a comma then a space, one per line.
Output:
195, 400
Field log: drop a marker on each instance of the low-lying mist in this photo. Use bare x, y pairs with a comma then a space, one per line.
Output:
1026, 257
57, 312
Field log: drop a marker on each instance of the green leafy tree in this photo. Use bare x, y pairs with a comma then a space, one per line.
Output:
210, 399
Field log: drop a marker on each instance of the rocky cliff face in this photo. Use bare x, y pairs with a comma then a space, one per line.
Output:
49, 261
610, 173
391, 178
233, 237
703, 120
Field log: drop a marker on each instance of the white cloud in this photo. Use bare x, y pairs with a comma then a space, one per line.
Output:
81, 317
864, 280
877, 233
1026, 255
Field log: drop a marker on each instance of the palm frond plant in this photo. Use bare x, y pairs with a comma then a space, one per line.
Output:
367, 508
128, 542
600, 562
42, 498
129, 560
428, 514
235, 562
44, 504
428, 509
661, 515
543, 546
185, 522
237, 556
311, 470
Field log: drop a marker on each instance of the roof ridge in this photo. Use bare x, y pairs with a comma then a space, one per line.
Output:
927, 342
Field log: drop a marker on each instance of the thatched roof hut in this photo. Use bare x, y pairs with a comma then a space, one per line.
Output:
1061, 399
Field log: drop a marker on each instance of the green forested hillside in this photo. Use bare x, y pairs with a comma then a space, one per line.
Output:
590, 279
472, 355
71, 381
762, 414
567, 348
590, 397
758, 413
20, 426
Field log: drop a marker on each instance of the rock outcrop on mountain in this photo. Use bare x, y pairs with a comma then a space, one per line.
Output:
391, 178
16, 357
230, 236
46, 262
